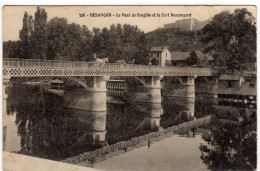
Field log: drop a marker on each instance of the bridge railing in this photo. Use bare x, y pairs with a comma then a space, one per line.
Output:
30, 63
34, 63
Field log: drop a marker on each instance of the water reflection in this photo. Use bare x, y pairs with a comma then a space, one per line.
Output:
177, 110
128, 120
95, 124
151, 111
11, 141
38, 124
47, 129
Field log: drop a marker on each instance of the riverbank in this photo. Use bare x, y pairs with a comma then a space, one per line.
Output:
176, 152
89, 158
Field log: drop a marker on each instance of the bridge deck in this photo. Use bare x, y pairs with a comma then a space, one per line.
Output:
37, 68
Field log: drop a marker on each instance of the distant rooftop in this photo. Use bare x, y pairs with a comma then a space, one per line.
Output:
181, 56
157, 49
230, 77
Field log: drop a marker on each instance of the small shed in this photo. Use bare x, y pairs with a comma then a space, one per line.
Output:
230, 81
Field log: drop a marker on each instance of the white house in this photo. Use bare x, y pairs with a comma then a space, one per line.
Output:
163, 54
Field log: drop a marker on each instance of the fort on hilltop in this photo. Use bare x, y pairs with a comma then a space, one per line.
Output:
188, 24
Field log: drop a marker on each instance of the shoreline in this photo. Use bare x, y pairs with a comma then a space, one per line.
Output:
98, 155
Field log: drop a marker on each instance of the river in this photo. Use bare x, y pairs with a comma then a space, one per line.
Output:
38, 124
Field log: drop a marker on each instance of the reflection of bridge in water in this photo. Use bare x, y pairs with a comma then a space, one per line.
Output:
78, 129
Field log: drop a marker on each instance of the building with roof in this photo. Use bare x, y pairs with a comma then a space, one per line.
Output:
176, 58
233, 90
179, 58
230, 81
163, 54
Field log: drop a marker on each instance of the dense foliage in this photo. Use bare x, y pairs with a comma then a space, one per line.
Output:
176, 39
59, 40
193, 59
234, 145
231, 38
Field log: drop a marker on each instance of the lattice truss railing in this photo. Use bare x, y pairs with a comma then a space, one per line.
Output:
31, 68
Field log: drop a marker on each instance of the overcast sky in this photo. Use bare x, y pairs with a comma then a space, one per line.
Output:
13, 15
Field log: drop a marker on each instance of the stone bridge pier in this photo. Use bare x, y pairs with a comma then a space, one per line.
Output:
143, 89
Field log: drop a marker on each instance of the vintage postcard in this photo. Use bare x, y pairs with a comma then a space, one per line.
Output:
129, 88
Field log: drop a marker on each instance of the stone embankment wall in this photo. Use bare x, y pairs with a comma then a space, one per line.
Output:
98, 155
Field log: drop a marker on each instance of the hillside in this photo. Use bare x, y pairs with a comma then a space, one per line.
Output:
176, 39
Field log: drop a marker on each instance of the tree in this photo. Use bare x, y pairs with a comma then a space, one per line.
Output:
155, 61
73, 41
56, 37
114, 45
25, 36
134, 45
12, 49
193, 59
229, 137
120, 43
40, 34
86, 51
142, 56
58, 40
96, 42
64, 40
231, 38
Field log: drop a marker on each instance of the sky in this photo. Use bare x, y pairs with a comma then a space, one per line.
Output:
13, 15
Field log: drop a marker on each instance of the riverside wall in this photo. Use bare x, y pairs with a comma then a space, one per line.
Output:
101, 154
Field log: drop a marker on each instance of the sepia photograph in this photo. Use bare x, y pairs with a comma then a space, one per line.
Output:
129, 88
